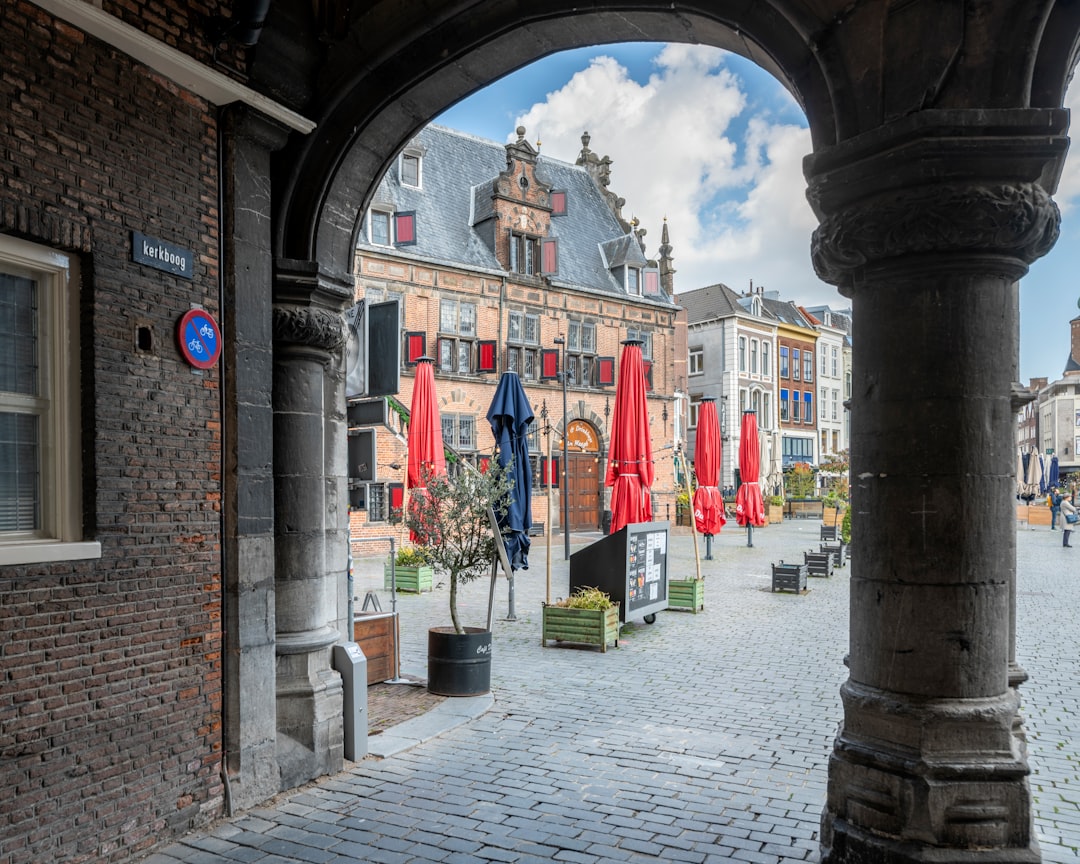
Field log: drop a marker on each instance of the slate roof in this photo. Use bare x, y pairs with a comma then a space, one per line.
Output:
456, 176
712, 301
786, 311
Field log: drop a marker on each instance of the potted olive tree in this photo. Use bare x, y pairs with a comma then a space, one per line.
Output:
452, 528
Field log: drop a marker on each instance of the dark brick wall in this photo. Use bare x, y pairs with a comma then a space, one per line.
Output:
110, 670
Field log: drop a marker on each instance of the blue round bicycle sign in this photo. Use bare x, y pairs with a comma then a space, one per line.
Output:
200, 338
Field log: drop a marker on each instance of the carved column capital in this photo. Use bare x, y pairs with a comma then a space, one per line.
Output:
310, 326
1018, 221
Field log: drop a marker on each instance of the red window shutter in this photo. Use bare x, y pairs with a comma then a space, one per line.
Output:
487, 356
397, 495
558, 203
549, 364
648, 375
652, 282
549, 471
549, 256
405, 229
415, 346
605, 371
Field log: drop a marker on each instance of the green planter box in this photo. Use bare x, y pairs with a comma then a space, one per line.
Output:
411, 580
581, 626
686, 594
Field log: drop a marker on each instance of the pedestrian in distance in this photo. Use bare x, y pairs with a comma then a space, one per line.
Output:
1054, 500
1068, 511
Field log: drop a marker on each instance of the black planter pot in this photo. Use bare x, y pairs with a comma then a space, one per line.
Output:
459, 664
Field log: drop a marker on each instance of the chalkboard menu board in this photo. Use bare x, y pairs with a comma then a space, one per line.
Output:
646, 567
629, 565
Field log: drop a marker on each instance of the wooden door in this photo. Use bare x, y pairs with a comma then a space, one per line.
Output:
584, 491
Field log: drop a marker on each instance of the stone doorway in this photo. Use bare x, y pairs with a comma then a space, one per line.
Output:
583, 476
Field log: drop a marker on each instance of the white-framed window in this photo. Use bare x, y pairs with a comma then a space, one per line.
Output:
835, 403
766, 360
833, 366
459, 430
457, 336
808, 366
40, 463
753, 356
645, 338
581, 352
389, 228
523, 344
692, 414
742, 353
823, 400
766, 414
411, 165
633, 281
696, 365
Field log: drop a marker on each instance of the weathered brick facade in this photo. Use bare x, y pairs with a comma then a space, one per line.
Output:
110, 669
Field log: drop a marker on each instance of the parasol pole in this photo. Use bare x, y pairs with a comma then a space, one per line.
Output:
693, 519
547, 533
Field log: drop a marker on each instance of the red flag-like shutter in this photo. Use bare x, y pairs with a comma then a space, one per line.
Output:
549, 364
549, 256
558, 203
415, 346
605, 371
652, 282
486, 362
405, 229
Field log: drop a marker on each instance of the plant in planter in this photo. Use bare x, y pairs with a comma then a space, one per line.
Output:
411, 571
845, 528
452, 527
587, 617
774, 508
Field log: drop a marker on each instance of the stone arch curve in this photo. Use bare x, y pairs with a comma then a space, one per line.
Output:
326, 178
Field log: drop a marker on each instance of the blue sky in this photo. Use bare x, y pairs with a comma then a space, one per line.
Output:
729, 179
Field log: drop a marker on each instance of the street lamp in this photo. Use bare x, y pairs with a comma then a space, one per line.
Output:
558, 340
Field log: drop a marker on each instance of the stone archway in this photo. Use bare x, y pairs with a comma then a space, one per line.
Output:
583, 475
938, 138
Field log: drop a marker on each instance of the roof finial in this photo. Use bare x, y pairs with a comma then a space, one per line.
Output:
520, 133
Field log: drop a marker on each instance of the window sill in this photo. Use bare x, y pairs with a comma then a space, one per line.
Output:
46, 552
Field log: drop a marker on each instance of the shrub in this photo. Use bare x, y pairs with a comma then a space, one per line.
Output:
587, 598
410, 556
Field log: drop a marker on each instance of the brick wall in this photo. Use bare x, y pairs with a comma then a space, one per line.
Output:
421, 288
110, 669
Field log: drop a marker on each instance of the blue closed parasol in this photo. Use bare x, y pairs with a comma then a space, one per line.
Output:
510, 415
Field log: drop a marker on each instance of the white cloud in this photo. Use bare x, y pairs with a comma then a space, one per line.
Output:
1069, 186
731, 186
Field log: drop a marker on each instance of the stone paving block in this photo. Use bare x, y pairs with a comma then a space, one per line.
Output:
691, 733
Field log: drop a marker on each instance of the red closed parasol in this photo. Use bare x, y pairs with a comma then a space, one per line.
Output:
749, 508
630, 466
708, 502
426, 456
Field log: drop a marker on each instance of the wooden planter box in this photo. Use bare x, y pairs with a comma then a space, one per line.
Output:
688, 594
789, 577
818, 563
832, 515
376, 633
1038, 516
804, 508
410, 580
774, 513
581, 626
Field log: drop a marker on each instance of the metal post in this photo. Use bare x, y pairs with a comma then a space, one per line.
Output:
564, 492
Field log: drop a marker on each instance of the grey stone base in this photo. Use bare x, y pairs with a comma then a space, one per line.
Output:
942, 780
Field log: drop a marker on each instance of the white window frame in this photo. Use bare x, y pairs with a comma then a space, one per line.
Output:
633, 281
696, 361
766, 360
742, 354
59, 535
412, 154
389, 215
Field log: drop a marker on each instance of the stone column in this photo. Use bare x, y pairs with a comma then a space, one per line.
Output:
928, 224
308, 337
247, 141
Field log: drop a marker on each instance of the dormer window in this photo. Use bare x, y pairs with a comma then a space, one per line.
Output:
633, 281
533, 256
410, 169
386, 228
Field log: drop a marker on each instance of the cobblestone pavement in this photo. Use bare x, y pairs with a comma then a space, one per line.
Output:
702, 738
